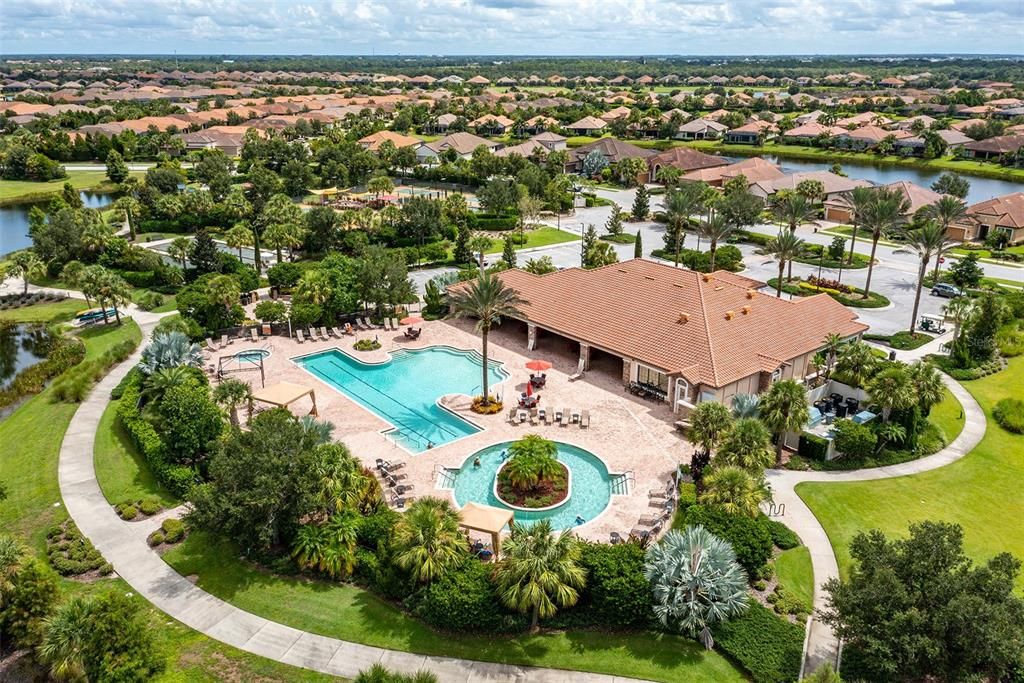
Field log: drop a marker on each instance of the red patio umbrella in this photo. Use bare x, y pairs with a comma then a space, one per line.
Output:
538, 365
411, 320
529, 388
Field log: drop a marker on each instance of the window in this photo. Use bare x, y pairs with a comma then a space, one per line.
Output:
652, 377
776, 375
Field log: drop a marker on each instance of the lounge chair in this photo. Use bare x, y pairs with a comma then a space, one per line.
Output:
565, 418
361, 325
336, 331
575, 415
210, 345
543, 415
394, 324
584, 419
224, 341
512, 415
387, 324
349, 329
533, 416
324, 334
252, 335
299, 336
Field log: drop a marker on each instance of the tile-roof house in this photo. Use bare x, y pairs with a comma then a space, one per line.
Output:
1003, 214
752, 133
588, 125
463, 145
489, 124
694, 336
613, 149
839, 210
686, 159
993, 148
373, 141
754, 169
701, 129
832, 183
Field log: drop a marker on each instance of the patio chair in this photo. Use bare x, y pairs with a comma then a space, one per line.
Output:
210, 345
402, 489
349, 329
648, 520
512, 414
394, 465
565, 418
336, 331
386, 322
224, 341
311, 334
252, 335
543, 415
584, 419
267, 330
299, 337
575, 415
360, 324
523, 415
324, 334
394, 324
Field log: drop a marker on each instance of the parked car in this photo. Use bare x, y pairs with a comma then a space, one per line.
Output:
948, 291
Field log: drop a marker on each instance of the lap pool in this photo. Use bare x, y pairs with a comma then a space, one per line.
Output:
590, 492
405, 389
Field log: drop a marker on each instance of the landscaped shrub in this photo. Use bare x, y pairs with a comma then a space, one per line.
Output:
768, 647
270, 311
749, 538
617, 595
946, 364
465, 600
1009, 413
374, 531
284, 275
149, 507
366, 345
74, 385
782, 536
155, 538
812, 446
129, 512
173, 529
854, 440
69, 552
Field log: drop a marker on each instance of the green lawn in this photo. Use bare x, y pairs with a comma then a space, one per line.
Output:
122, 473
61, 311
986, 253
350, 613
540, 237
25, 190
793, 569
982, 492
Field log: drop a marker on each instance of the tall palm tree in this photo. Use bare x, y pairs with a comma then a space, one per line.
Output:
276, 237
833, 345
223, 290
342, 481
929, 388
892, 389
710, 421
24, 264
540, 571
784, 409
427, 540
945, 211
859, 199
735, 490
160, 382
114, 291
884, 212
793, 209
179, 249
856, 362
748, 445
926, 242
239, 236
130, 207
714, 229
488, 300
680, 204
230, 394
785, 247
959, 311
696, 581
316, 286
479, 245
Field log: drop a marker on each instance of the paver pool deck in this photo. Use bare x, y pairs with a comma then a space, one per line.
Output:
627, 433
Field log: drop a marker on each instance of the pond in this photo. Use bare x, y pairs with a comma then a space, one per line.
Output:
20, 347
14, 219
981, 188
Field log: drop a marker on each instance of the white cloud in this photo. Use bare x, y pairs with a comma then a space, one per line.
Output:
511, 26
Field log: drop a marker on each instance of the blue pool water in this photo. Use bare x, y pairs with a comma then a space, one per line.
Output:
591, 485
404, 391
252, 354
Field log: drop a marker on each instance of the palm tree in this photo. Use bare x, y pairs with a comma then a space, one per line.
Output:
169, 350
130, 207
427, 540
276, 237
115, 291
329, 547
65, 633
928, 385
785, 247
859, 199
793, 209
856, 362
223, 290
12, 554
946, 211
884, 212
379, 185
532, 459
892, 389
24, 264
696, 581
783, 410
480, 244
239, 236
927, 241
833, 345
958, 310
748, 445
95, 237
230, 394
315, 432
680, 204
488, 300
342, 481
714, 229
179, 249
735, 490
540, 572
709, 423
160, 382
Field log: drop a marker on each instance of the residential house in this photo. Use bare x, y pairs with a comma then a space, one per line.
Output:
588, 125
613, 150
752, 133
701, 129
489, 124
373, 141
228, 139
686, 159
867, 137
463, 145
553, 141
994, 148
833, 184
539, 124
809, 132
442, 123
839, 210
915, 146
1000, 214
754, 169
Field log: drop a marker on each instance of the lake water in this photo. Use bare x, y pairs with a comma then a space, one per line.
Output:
14, 220
981, 188
20, 347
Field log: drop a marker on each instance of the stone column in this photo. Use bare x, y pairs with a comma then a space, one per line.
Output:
585, 356
627, 371
531, 336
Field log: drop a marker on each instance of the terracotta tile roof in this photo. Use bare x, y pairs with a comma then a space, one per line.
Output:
713, 329
373, 141
686, 159
462, 143
612, 148
1007, 210
754, 169
587, 123
1002, 144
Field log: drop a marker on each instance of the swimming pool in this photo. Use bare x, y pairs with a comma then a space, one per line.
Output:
405, 389
591, 488
253, 354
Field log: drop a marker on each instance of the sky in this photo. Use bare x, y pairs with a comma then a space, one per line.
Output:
512, 27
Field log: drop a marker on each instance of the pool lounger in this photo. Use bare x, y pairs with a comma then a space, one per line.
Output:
565, 418
394, 324
224, 341
337, 332
584, 418
210, 346
253, 336
323, 334
299, 337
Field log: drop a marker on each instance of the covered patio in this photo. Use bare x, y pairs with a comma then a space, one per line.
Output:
487, 520
283, 394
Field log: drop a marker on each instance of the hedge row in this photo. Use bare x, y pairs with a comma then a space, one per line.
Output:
768, 647
177, 478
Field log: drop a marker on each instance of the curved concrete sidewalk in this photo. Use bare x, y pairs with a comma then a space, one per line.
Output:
123, 544
822, 645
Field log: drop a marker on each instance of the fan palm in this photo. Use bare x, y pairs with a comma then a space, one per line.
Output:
24, 264
945, 211
859, 199
884, 212
342, 482
927, 241
239, 236
856, 362
160, 382
540, 571
833, 345
309, 545
65, 633
793, 209
315, 432
223, 290
427, 540
745, 405
179, 249
928, 385
315, 286
230, 394
784, 409
714, 229
488, 300
113, 291
785, 247
748, 445
696, 582
735, 490
170, 350
338, 558
479, 245
892, 390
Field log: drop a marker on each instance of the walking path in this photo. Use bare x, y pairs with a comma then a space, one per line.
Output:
123, 544
822, 645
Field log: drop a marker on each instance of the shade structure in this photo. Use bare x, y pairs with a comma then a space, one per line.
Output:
487, 519
411, 320
538, 365
283, 394
529, 388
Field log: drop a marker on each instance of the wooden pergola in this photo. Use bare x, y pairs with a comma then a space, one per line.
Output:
488, 520
284, 394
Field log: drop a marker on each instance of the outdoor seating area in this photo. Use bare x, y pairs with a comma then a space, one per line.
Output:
648, 391
835, 407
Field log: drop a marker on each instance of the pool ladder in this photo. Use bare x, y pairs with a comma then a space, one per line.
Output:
445, 477
621, 483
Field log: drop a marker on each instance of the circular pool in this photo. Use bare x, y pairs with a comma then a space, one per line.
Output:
589, 495
253, 354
